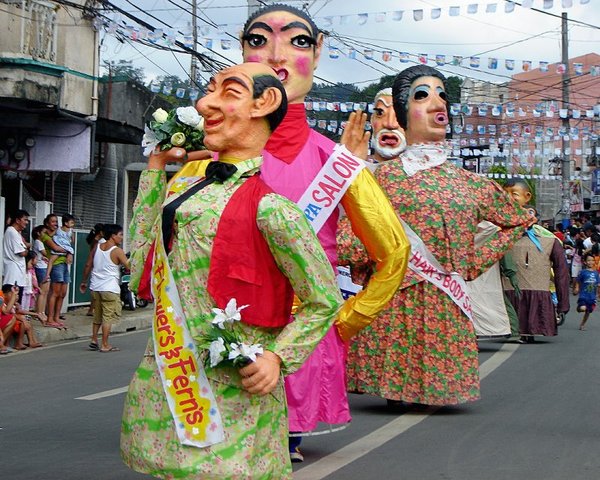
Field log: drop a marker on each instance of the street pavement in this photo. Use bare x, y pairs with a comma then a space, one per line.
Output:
538, 419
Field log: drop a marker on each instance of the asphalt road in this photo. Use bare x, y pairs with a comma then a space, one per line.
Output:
538, 418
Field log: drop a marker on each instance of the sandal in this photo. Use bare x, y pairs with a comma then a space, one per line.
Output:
111, 349
93, 346
4, 351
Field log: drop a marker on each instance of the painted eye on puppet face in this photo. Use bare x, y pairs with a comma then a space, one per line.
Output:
255, 40
378, 112
303, 41
421, 92
441, 93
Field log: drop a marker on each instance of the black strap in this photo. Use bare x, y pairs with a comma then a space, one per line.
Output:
215, 171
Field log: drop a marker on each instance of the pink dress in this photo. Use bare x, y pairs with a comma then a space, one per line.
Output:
317, 391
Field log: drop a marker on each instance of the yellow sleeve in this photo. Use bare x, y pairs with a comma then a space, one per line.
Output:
191, 169
376, 225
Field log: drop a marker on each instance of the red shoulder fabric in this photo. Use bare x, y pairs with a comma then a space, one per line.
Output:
145, 287
242, 266
289, 138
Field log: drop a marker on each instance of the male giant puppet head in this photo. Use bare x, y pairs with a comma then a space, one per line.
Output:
388, 139
287, 40
242, 106
421, 104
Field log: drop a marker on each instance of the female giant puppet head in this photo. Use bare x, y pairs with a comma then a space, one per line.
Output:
287, 40
421, 104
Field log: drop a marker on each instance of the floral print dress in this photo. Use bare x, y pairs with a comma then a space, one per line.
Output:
256, 428
422, 348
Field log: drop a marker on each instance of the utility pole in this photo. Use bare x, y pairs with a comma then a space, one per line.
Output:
194, 66
566, 156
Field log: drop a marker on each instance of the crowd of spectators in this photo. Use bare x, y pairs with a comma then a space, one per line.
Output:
36, 277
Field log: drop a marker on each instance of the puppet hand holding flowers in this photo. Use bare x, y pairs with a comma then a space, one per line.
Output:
181, 127
223, 346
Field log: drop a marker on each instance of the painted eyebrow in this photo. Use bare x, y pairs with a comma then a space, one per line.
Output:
261, 25
296, 25
237, 80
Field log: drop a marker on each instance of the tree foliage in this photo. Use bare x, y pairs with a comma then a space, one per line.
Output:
123, 70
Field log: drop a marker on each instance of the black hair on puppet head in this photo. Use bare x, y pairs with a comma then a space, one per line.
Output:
401, 89
279, 7
260, 84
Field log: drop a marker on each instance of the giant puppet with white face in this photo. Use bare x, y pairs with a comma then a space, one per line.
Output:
387, 140
428, 349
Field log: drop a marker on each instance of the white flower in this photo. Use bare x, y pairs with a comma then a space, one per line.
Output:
229, 315
160, 115
245, 351
200, 125
178, 139
216, 348
149, 141
189, 116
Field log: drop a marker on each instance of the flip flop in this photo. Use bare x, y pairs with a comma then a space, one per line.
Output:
93, 346
36, 345
111, 349
24, 347
4, 351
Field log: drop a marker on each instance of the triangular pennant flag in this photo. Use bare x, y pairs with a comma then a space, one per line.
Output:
225, 44
397, 15
435, 13
417, 15
526, 3
548, 4
509, 64
543, 67
490, 8
423, 58
509, 7
567, 3
472, 8
492, 63
193, 93
334, 52
456, 60
474, 62
454, 11
526, 65
386, 55
368, 53
578, 68
352, 53
380, 17
180, 92
561, 68
363, 18
440, 60
404, 57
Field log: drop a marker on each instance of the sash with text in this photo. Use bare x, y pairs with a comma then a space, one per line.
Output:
327, 189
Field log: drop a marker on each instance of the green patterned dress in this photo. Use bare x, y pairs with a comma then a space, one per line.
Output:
256, 427
422, 348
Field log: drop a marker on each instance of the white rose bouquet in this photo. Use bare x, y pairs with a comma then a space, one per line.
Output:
181, 127
224, 348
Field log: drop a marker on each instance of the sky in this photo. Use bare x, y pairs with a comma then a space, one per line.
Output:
522, 35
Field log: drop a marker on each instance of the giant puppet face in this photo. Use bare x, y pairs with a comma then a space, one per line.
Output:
288, 43
421, 104
242, 106
427, 112
388, 138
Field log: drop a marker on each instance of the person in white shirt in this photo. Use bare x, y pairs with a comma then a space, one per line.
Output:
15, 251
104, 286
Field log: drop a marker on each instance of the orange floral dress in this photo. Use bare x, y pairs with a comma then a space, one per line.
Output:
422, 348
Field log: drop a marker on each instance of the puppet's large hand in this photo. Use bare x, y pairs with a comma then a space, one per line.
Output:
158, 160
354, 137
261, 377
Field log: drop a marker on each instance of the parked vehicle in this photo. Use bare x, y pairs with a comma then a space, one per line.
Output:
129, 298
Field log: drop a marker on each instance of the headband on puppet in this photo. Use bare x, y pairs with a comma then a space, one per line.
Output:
401, 89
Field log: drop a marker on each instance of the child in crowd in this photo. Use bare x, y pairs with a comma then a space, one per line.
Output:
64, 239
588, 288
22, 326
31, 289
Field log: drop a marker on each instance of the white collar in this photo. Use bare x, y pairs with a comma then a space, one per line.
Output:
423, 156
